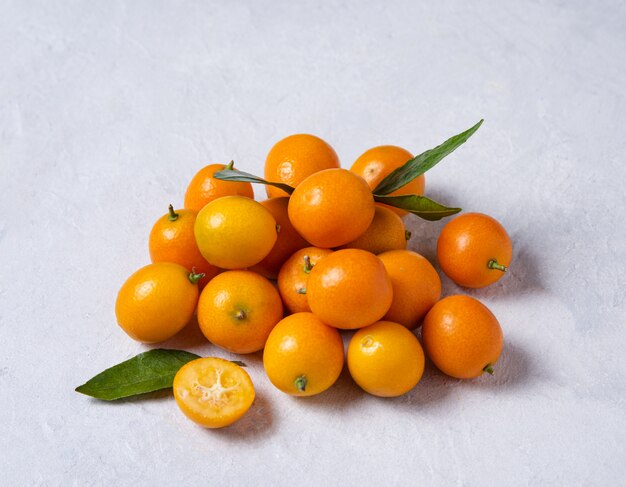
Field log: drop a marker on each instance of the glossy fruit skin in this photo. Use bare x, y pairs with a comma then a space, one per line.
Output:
385, 359
288, 240
466, 245
293, 278
302, 346
174, 241
386, 232
204, 188
238, 309
331, 208
416, 286
461, 336
296, 157
156, 302
213, 392
349, 289
233, 232
378, 162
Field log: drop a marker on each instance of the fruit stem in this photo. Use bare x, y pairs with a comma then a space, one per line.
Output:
493, 264
307, 264
488, 368
229, 166
300, 383
240, 315
407, 235
172, 215
278, 228
194, 278
302, 290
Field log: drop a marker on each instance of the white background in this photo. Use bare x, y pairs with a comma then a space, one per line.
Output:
107, 109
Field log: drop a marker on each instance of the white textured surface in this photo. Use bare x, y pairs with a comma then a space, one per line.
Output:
108, 108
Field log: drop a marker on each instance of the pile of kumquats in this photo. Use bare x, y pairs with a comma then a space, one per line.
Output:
325, 253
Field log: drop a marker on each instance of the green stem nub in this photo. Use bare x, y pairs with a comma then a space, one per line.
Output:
172, 215
307, 264
493, 264
240, 315
229, 166
300, 383
194, 278
407, 235
489, 369
302, 290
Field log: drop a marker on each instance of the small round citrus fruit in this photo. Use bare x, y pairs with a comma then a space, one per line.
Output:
386, 232
213, 392
238, 309
462, 337
416, 286
157, 301
287, 242
293, 277
296, 157
233, 232
349, 289
378, 162
204, 188
474, 250
385, 359
331, 207
172, 240
303, 356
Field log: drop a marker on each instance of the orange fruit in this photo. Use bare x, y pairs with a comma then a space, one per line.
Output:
157, 301
349, 289
331, 207
233, 232
238, 309
303, 356
172, 240
296, 157
287, 242
293, 277
462, 337
474, 250
416, 286
213, 392
386, 232
385, 359
377, 163
204, 188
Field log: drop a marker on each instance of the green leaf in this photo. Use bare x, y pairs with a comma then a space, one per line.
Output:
146, 372
244, 177
418, 205
422, 163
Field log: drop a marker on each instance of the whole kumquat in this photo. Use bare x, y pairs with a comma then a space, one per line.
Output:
378, 162
296, 157
349, 289
233, 232
204, 188
303, 356
238, 309
462, 337
157, 301
385, 359
293, 277
172, 240
474, 250
331, 207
